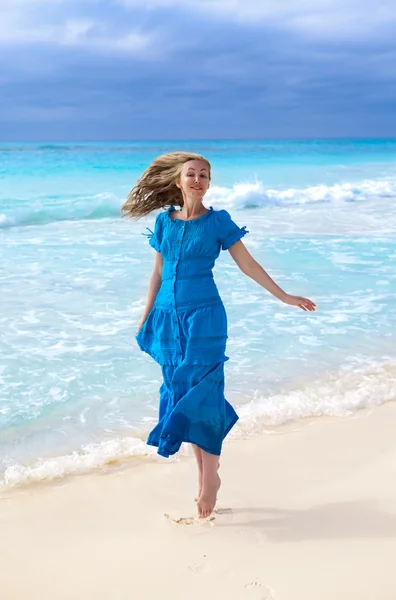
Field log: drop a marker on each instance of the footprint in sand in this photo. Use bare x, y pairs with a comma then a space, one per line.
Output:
198, 567
259, 591
223, 511
197, 520
189, 520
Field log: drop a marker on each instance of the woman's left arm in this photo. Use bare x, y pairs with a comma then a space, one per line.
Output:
250, 267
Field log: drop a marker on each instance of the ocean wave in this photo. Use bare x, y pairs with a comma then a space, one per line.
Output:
255, 195
42, 212
90, 458
358, 385
241, 195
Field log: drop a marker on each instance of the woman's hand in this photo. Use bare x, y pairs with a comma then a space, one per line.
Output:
303, 303
142, 320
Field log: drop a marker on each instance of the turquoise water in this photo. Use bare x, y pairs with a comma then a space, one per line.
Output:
76, 392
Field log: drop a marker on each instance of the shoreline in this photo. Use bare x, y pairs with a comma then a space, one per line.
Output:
36, 474
300, 517
337, 395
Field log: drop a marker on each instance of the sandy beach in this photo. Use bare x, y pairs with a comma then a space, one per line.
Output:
306, 514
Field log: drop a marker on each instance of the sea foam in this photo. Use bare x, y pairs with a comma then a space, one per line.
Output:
358, 385
247, 195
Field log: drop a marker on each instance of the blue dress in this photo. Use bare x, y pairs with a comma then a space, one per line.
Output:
186, 332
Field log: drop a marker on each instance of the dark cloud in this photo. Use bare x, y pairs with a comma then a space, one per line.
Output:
199, 78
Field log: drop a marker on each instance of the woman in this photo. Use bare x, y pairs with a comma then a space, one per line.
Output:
184, 324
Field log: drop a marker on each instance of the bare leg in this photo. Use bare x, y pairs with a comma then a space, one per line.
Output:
198, 456
210, 484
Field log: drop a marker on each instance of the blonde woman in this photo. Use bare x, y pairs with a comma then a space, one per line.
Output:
184, 324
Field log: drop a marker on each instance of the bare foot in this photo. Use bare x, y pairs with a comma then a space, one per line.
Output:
208, 497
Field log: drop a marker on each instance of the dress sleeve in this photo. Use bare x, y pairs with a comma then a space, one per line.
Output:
155, 237
229, 231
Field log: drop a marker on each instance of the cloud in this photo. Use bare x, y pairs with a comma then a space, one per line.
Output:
70, 24
318, 19
122, 69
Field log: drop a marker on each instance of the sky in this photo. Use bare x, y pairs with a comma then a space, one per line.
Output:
88, 70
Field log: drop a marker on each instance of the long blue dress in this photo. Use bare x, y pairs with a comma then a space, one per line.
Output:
186, 332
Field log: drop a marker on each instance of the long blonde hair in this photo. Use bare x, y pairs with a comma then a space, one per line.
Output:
157, 187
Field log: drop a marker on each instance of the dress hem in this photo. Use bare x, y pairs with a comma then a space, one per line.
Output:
190, 441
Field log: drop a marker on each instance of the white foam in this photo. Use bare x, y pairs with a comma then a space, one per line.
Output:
92, 456
255, 195
5, 221
240, 195
359, 384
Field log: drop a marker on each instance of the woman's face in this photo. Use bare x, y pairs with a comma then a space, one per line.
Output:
194, 179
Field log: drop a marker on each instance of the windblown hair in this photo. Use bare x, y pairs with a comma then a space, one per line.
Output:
157, 187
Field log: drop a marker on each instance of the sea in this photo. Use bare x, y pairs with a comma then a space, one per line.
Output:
76, 393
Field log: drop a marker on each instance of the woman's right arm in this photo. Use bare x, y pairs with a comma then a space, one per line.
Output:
154, 286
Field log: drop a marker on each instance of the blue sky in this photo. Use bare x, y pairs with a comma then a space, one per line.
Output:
218, 69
